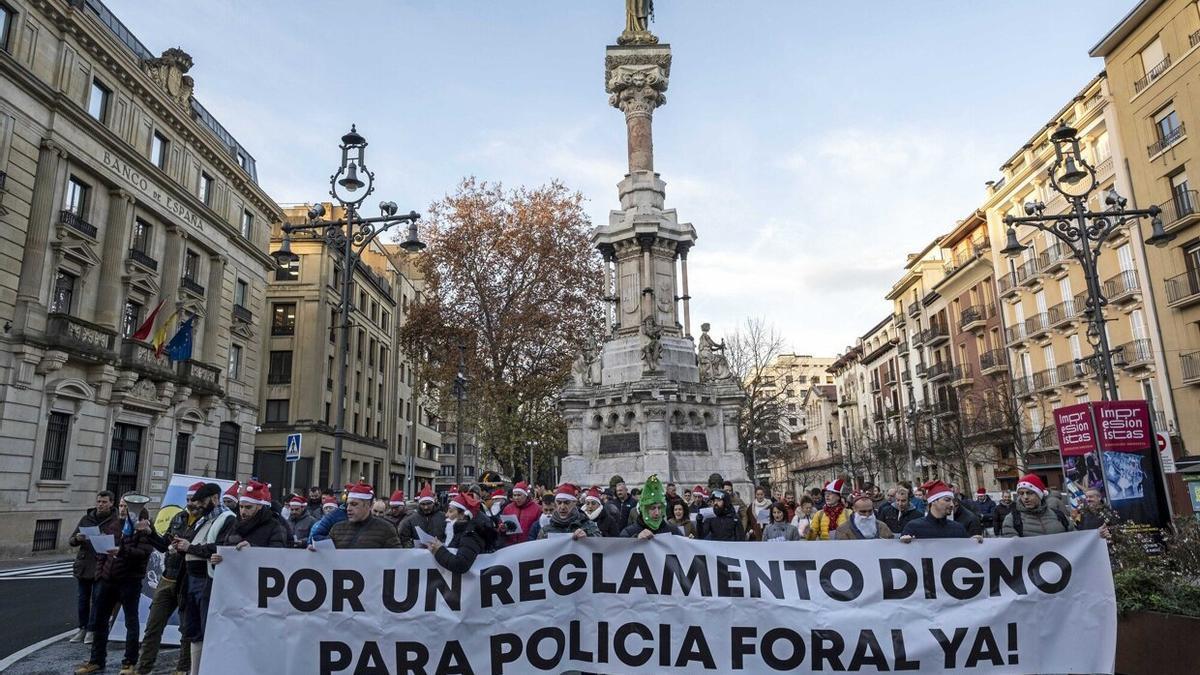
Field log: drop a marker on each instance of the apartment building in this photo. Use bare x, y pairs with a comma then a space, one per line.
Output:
299, 382
1151, 64
120, 193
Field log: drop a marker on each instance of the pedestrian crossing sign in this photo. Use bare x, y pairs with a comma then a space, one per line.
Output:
293, 448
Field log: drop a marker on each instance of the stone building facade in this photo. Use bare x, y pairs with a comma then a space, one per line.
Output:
299, 375
1151, 62
120, 192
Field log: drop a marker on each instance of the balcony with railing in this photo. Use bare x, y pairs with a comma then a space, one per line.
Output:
1104, 168
921, 370
944, 407
902, 347
201, 377
191, 285
914, 309
76, 222
1023, 386
1166, 140
243, 314
142, 258
974, 317
906, 377
1190, 363
1045, 380
1183, 290
889, 377
141, 357
1027, 273
900, 319
1134, 355
993, 361
1007, 285
1194, 39
1181, 210
962, 375
1064, 314
1153, 74
939, 371
1123, 288
1074, 373
1054, 258
1014, 334
918, 337
936, 334
1037, 326
81, 338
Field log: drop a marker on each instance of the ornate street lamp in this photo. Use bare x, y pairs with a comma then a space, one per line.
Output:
1083, 232
351, 236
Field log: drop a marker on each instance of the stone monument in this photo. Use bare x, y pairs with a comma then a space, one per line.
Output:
642, 401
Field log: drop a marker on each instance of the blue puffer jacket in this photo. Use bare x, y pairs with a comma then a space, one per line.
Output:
325, 524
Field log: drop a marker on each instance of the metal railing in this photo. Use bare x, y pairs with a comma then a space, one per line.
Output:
1062, 312
1167, 140
1191, 366
899, 318
1194, 39
1136, 352
1037, 324
1073, 372
902, 347
76, 222
939, 370
1007, 283
1054, 257
1183, 203
962, 374
1183, 286
189, 284
139, 256
1022, 385
995, 358
1121, 285
1045, 379
972, 315
240, 313
1152, 74
914, 310
1027, 271
936, 333
921, 370
1014, 334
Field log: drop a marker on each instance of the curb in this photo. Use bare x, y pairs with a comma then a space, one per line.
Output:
10, 660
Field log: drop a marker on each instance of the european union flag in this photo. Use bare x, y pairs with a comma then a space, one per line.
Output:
180, 346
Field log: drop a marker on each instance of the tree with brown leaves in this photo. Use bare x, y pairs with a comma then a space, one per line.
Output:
512, 275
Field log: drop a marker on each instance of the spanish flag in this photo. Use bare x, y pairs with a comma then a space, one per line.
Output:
160, 336
143, 330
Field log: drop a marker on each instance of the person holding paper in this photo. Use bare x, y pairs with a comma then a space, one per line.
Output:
566, 517
594, 509
718, 522
120, 576
525, 510
651, 516
167, 595
102, 519
428, 517
681, 519
779, 529
465, 540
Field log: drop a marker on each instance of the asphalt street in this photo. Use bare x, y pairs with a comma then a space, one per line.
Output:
37, 601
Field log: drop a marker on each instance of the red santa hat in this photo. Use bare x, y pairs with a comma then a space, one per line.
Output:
426, 494
593, 494
699, 491
256, 493
521, 488
191, 491
835, 485
981, 491
297, 500
361, 491
453, 491
935, 490
232, 492
397, 498
857, 495
460, 502
566, 493
498, 493
1032, 483
328, 500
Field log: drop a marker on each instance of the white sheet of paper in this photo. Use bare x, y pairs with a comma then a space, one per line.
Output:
694, 516
551, 535
515, 524
764, 516
89, 531
423, 538
324, 545
776, 539
102, 542
707, 512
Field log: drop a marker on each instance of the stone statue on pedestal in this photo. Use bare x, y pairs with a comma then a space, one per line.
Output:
713, 364
585, 371
652, 349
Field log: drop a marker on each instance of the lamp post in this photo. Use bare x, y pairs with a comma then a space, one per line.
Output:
1083, 232
460, 394
351, 236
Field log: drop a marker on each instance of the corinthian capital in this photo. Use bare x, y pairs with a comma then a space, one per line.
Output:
637, 89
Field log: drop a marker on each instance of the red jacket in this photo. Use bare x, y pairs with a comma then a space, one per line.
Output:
526, 515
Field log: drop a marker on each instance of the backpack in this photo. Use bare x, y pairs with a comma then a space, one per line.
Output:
1019, 524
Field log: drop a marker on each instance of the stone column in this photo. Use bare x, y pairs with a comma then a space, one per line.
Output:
47, 186
172, 266
215, 312
647, 242
681, 249
609, 253
636, 77
116, 231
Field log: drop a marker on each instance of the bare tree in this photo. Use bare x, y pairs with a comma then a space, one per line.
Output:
752, 351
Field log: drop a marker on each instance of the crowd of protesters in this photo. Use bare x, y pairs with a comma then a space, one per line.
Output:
461, 525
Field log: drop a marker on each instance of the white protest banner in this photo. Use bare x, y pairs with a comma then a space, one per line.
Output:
671, 605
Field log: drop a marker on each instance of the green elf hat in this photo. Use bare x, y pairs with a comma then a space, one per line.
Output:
652, 493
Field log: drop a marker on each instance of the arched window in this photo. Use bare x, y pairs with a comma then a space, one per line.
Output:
227, 450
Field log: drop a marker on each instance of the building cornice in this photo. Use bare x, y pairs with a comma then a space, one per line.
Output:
1124, 27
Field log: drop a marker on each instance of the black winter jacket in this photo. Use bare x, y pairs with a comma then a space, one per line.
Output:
178, 527
434, 525
928, 527
468, 544
635, 528
374, 532
724, 526
130, 560
86, 558
263, 530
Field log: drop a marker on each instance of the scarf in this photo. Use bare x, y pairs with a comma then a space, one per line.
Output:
594, 515
248, 525
760, 504
833, 513
571, 518
867, 526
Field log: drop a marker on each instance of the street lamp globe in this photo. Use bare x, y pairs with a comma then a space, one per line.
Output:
283, 255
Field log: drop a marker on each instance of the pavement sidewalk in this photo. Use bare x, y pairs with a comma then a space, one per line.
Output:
64, 657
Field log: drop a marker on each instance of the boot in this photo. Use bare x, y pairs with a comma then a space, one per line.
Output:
196, 647
89, 667
89, 638
79, 635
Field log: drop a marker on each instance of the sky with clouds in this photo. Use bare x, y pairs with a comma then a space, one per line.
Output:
811, 143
